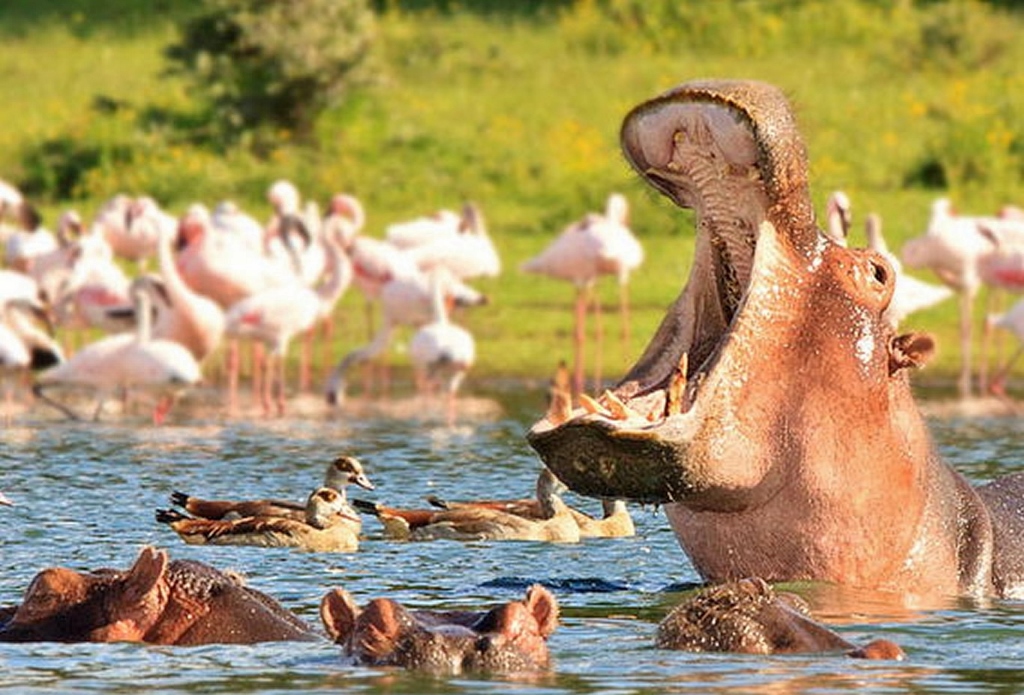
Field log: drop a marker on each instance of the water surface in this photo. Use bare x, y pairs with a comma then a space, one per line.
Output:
86, 494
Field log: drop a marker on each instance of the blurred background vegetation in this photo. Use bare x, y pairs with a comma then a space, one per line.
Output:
516, 105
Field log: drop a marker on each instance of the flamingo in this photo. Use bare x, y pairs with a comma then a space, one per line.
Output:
1013, 321
423, 230
125, 361
274, 316
441, 349
13, 203
965, 252
287, 224
598, 244
910, 294
951, 248
137, 238
23, 247
23, 345
406, 300
182, 314
468, 254
224, 267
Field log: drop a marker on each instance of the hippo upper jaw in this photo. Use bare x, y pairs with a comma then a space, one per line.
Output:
672, 429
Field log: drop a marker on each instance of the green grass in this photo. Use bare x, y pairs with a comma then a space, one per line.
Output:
520, 112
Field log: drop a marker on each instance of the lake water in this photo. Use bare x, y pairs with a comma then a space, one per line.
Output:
86, 493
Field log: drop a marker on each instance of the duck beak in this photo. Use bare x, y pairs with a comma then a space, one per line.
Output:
364, 482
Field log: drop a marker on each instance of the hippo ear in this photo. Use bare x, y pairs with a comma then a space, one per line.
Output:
542, 605
910, 350
338, 611
145, 574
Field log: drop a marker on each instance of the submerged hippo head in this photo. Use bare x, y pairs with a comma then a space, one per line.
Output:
509, 638
772, 408
749, 617
155, 601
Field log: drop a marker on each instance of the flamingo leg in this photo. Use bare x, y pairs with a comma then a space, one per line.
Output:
598, 341
306, 358
233, 368
579, 337
624, 313
267, 383
281, 383
966, 306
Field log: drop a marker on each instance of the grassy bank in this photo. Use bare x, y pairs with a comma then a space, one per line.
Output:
519, 110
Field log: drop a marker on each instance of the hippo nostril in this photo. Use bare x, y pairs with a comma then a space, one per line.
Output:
880, 272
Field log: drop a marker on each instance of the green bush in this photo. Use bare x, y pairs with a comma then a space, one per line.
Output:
275, 64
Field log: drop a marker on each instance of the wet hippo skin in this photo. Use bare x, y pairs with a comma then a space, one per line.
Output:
508, 638
749, 617
156, 601
771, 412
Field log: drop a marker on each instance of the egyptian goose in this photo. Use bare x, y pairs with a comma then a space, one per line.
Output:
341, 472
327, 527
554, 523
616, 521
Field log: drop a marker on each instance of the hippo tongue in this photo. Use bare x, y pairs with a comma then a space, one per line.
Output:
730, 151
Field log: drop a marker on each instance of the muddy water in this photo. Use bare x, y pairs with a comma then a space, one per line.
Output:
86, 494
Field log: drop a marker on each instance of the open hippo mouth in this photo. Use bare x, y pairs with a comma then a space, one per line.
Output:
732, 152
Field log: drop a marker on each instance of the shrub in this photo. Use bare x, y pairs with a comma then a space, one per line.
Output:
274, 64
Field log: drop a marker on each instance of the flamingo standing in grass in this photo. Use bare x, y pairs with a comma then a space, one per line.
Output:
180, 313
125, 362
965, 252
274, 316
468, 253
598, 244
406, 300
441, 350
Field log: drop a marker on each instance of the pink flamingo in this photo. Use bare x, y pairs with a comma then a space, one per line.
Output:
965, 252
424, 230
125, 362
274, 316
144, 220
406, 300
599, 244
469, 253
225, 268
24, 346
441, 350
181, 314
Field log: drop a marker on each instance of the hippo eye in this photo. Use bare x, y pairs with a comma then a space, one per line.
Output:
484, 643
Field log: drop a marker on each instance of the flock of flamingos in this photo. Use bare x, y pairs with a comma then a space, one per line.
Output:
223, 278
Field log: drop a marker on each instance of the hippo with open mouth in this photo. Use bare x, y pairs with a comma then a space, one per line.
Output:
772, 412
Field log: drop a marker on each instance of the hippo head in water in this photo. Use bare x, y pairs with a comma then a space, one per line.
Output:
750, 617
155, 601
771, 413
509, 638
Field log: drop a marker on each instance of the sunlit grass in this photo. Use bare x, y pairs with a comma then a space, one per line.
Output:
522, 116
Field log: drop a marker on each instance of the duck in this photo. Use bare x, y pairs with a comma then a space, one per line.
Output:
341, 472
615, 522
554, 522
327, 527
